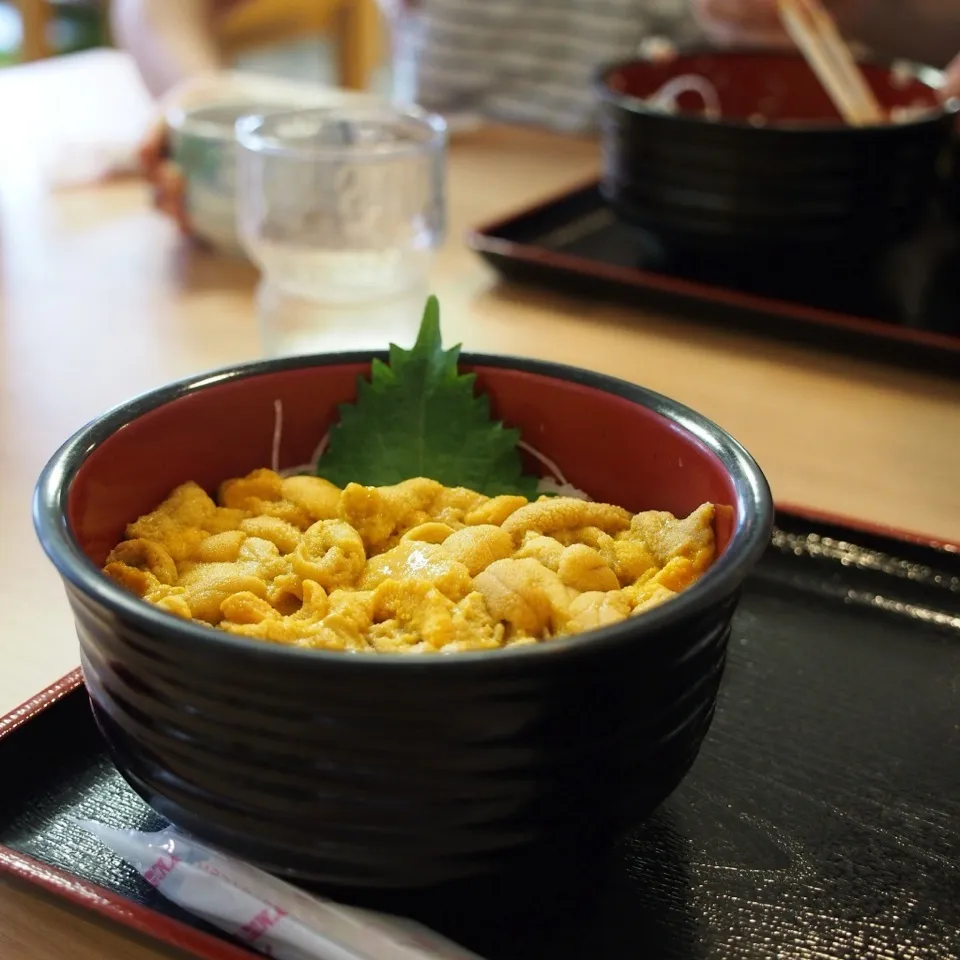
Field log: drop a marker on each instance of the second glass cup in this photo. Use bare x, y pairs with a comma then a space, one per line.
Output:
342, 205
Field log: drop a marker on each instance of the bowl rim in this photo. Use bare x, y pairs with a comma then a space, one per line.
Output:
750, 538
198, 122
932, 77
251, 138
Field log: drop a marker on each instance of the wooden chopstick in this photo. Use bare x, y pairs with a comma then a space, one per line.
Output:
804, 35
827, 27
815, 32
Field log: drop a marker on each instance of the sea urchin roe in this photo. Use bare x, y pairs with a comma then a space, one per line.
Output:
414, 568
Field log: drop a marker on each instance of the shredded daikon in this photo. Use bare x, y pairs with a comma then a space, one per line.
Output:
550, 485
666, 98
556, 483
277, 434
902, 74
546, 461
310, 467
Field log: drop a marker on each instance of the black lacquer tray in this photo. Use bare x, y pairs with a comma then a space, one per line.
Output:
900, 306
821, 821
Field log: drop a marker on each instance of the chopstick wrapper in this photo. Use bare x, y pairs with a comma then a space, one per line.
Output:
267, 914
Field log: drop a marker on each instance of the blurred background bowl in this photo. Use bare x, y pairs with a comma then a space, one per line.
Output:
779, 172
952, 178
390, 772
203, 144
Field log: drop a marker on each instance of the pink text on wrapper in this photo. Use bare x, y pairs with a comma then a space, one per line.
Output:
253, 929
256, 927
159, 869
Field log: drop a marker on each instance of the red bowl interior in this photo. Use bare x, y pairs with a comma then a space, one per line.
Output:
609, 446
780, 86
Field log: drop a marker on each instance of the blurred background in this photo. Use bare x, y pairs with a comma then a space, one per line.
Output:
32, 29
324, 41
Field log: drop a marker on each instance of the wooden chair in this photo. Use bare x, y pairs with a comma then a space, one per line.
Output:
35, 15
356, 26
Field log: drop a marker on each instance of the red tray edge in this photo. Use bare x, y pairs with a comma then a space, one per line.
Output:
483, 239
867, 526
108, 904
91, 896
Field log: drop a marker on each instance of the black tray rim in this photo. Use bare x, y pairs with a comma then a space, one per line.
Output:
142, 919
92, 897
485, 239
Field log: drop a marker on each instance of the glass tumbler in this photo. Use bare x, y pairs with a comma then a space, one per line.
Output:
339, 207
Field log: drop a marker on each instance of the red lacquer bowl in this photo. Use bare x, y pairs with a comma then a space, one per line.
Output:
400, 772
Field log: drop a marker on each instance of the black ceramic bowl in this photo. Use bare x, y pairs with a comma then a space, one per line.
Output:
952, 179
803, 183
399, 772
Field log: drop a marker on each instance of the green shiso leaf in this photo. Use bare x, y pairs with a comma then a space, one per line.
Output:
418, 416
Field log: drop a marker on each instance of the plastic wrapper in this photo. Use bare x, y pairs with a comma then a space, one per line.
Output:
267, 914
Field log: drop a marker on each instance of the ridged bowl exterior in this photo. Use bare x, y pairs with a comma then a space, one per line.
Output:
392, 772
730, 186
952, 185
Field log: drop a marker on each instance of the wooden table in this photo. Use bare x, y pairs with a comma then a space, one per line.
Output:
99, 300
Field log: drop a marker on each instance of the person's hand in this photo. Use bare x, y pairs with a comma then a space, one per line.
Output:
757, 22
164, 176
156, 164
